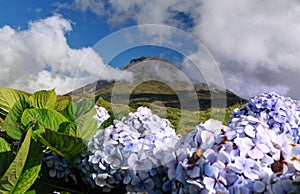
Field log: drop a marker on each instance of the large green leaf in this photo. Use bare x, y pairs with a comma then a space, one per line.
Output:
43, 99
8, 97
32, 168
68, 128
70, 111
75, 110
11, 177
12, 123
61, 105
46, 117
6, 156
83, 107
87, 126
64, 145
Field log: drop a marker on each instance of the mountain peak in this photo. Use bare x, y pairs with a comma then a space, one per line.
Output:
159, 81
143, 59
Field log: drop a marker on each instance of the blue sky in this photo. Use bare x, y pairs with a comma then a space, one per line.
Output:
87, 27
43, 43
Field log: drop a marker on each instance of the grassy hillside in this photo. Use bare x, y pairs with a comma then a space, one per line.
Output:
152, 91
164, 101
182, 120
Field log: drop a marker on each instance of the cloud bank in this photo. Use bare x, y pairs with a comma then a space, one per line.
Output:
256, 43
40, 58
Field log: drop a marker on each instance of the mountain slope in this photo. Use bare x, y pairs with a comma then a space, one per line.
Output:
158, 80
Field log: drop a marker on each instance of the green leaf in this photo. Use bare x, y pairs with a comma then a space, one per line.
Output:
6, 156
48, 118
43, 99
12, 123
70, 111
32, 168
64, 145
87, 126
83, 107
11, 177
31, 192
75, 110
61, 105
109, 121
8, 97
68, 128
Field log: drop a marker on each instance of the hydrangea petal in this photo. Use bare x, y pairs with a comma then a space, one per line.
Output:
209, 183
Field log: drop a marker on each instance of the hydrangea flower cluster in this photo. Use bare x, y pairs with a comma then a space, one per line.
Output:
59, 167
248, 156
258, 152
131, 152
282, 114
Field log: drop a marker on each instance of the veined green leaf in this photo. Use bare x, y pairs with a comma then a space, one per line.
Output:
11, 177
75, 110
6, 155
87, 126
8, 97
64, 145
70, 111
12, 123
68, 128
48, 118
83, 107
32, 168
43, 99
61, 105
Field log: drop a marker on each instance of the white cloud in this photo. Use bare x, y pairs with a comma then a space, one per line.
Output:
40, 58
257, 40
95, 6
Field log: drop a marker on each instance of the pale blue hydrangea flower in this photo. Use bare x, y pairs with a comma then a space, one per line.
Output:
132, 151
59, 167
258, 152
101, 116
282, 114
252, 154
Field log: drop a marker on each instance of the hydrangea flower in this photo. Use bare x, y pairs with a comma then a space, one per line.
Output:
256, 153
281, 114
131, 151
59, 167
101, 116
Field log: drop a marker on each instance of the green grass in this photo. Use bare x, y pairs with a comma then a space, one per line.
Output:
182, 121
153, 91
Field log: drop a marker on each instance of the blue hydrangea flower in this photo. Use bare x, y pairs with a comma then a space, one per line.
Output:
101, 116
132, 151
257, 153
281, 114
59, 167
